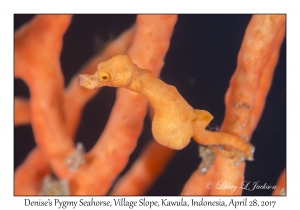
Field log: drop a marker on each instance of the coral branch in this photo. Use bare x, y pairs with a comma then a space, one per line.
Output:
266, 32
152, 41
37, 50
145, 170
281, 184
28, 176
21, 111
246, 95
199, 185
263, 36
266, 81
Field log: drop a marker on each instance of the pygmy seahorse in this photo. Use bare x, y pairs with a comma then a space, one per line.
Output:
174, 121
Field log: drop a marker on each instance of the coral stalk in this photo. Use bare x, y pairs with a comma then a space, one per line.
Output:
37, 50
246, 95
145, 170
21, 111
281, 184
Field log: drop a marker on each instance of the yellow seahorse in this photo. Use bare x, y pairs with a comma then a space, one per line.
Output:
174, 121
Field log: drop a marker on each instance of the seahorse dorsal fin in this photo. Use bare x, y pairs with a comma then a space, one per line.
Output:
202, 118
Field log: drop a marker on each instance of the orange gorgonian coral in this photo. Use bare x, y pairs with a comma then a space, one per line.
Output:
197, 54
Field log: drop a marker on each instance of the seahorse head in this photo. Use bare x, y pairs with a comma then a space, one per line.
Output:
115, 72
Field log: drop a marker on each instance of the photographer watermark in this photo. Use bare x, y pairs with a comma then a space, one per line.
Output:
245, 185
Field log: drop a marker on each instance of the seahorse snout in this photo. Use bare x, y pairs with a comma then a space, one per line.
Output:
87, 81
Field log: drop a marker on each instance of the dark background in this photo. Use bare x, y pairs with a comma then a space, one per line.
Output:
200, 61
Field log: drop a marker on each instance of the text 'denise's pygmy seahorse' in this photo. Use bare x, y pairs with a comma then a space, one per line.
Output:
174, 121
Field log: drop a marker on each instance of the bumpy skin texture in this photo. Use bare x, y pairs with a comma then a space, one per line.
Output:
174, 121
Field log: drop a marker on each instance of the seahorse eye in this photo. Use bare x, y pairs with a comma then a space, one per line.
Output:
104, 76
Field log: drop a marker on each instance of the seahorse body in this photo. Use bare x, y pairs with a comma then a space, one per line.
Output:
174, 121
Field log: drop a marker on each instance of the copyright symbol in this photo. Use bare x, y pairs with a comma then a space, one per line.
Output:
209, 185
